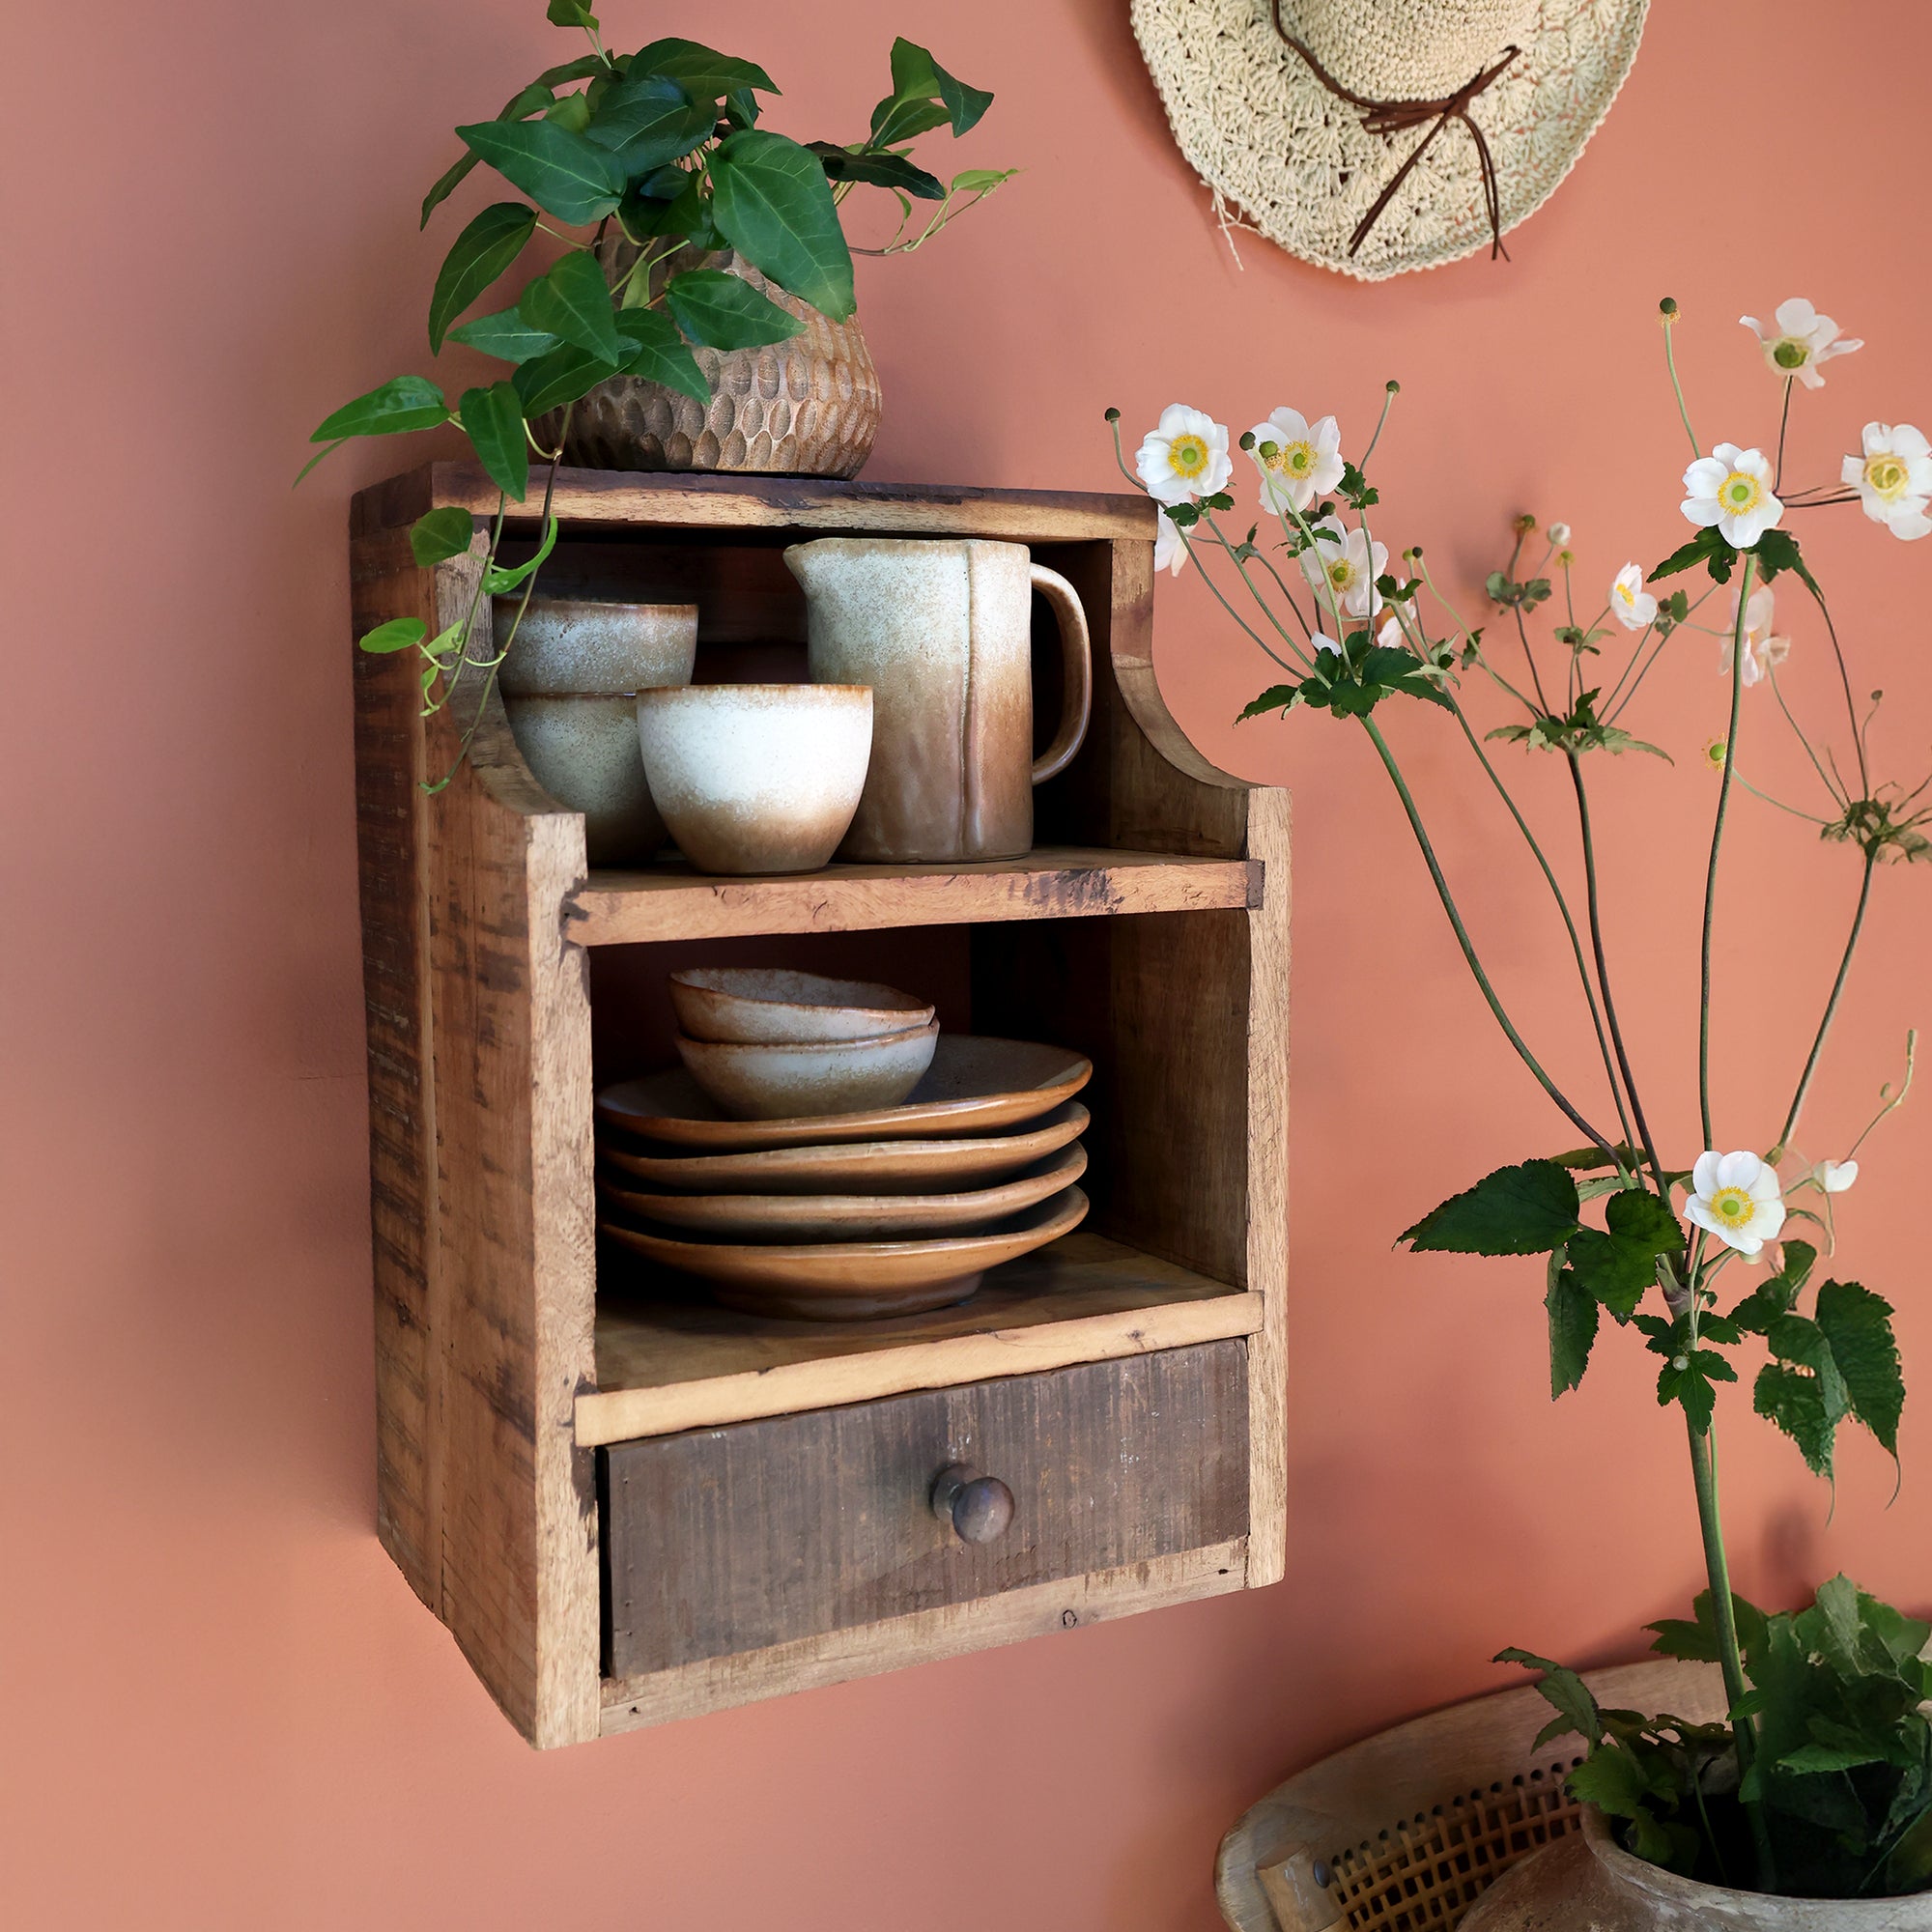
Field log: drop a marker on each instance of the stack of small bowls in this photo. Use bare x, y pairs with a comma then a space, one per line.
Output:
821, 1154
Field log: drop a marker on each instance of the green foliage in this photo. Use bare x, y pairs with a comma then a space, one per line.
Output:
772, 202
1879, 827
505, 336
564, 174
1527, 1210
648, 118
1572, 1311
1775, 552
493, 419
1842, 1361
439, 534
572, 303
1350, 682
397, 635
1579, 731
883, 170
724, 311
402, 404
559, 375
481, 253
654, 351
1511, 595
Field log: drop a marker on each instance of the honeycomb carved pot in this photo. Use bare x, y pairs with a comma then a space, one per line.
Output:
806, 407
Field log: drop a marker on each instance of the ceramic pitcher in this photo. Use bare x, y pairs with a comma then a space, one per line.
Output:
943, 633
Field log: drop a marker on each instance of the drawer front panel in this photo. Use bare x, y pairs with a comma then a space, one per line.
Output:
730, 1539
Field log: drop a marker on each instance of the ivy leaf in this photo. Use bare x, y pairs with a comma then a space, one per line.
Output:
505, 336
481, 253
721, 311
1526, 1210
493, 419
1856, 1325
574, 179
1573, 1328
654, 351
439, 534
770, 198
559, 377
572, 302
402, 404
397, 635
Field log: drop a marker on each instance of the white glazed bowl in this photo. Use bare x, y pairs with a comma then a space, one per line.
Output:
757, 778
757, 1080
767, 1003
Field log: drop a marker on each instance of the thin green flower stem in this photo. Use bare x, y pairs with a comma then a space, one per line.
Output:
1889, 1101
1830, 1011
1724, 1613
1810, 818
1671, 363
1844, 678
1783, 425
1463, 939
1482, 660
1576, 765
1562, 906
1301, 524
1388, 402
1286, 596
1837, 797
1268, 648
1530, 658
1825, 502
1267, 610
454, 678
1616, 688
1717, 845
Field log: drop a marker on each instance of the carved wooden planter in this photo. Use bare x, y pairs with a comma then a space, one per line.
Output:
628, 1509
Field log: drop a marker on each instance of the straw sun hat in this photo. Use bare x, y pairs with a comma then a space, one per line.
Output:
1301, 114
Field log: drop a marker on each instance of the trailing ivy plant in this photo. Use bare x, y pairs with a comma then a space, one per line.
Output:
639, 165
1819, 1779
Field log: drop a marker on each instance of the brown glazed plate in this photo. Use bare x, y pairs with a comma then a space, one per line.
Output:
841, 1217
860, 1167
843, 1281
974, 1085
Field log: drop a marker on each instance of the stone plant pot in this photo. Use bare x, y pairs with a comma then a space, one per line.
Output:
1587, 1880
806, 407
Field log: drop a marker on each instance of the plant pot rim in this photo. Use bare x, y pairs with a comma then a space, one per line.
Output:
1797, 1914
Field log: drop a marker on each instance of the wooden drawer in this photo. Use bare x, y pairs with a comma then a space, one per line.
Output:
730, 1539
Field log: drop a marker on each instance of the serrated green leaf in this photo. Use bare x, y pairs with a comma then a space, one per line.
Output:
721, 311
493, 419
1613, 1780
1691, 1379
573, 301
560, 377
1572, 1328
1616, 1273
572, 178
402, 404
1526, 1210
1795, 1403
397, 635
505, 336
1857, 1324
485, 248
1565, 1692
1698, 549
770, 198
654, 351
1277, 698
441, 533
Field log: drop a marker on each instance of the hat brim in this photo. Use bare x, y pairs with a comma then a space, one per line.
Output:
1293, 160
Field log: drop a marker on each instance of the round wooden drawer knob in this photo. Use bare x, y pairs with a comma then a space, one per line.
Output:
978, 1507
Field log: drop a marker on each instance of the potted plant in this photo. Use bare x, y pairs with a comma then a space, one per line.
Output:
1818, 1783
695, 240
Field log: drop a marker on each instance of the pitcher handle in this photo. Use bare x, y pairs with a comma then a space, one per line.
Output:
1076, 655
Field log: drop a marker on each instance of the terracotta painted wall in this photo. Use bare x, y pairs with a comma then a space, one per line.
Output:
221, 1706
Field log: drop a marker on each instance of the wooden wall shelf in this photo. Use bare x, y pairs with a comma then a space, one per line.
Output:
573, 1455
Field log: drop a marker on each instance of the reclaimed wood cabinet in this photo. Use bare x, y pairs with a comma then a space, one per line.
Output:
629, 1507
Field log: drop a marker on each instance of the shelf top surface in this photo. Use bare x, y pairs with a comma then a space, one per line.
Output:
711, 502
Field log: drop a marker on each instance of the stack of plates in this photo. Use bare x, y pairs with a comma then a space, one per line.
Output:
835, 1216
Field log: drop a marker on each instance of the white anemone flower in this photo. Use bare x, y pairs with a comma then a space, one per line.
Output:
1835, 1176
1893, 479
1342, 564
1731, 487
1799, 340
1170, 550
1736, 1196
1631, 603
1186, 456
1763, 652
1307, 459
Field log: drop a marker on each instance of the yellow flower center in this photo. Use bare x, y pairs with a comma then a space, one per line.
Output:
1298, 459
1628, 593
1733, 1207
1791, 351
1887, 474
1714, 754
1340, 573
1740, 493
1187, 455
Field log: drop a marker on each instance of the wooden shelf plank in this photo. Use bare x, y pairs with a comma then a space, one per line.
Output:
671, 901
623, 497
663, 1366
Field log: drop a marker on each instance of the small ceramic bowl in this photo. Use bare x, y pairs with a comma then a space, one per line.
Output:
757, 1003
757, 778
570, 687
801, 1079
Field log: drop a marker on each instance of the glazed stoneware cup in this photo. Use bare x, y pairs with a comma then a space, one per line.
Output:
757, 778
570, 686
760, 1080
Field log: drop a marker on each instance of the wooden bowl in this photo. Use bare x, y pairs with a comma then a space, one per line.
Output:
757, 778
766, 1003
760, 1080
841, 1217
842, 1281
975, 1085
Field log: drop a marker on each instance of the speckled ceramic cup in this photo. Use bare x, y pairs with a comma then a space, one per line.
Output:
757, 778
570, 687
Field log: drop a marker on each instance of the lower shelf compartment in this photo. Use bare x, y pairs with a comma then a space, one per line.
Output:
665, 1366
